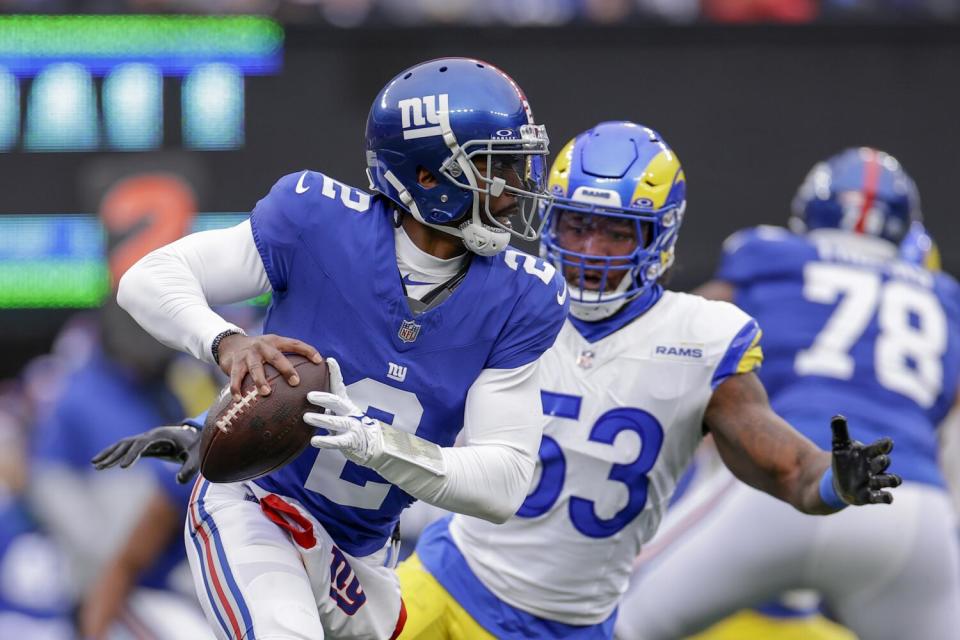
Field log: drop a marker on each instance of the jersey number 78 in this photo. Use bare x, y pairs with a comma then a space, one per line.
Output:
911, 338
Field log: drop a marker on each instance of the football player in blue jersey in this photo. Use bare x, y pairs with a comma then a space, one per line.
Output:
431, 328
850, 326
636, 376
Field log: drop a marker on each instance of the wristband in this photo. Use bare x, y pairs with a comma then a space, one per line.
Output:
215, 345
828, 493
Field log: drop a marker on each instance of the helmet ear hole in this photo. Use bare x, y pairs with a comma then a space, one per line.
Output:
426, 179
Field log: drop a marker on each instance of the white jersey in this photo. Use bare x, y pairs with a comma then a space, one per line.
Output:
625, 416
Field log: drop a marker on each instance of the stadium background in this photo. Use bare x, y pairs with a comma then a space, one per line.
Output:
750, 93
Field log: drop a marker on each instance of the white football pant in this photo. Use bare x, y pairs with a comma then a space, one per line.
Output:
265, 569
887, 572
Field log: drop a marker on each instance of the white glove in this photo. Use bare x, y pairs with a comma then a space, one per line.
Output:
356, 434
363, 439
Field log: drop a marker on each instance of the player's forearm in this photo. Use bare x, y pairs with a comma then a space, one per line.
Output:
762, 449
165, 299
170, 290
484, 481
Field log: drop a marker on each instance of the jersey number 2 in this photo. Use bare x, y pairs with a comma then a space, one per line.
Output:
633, 475
347, 483
912, 330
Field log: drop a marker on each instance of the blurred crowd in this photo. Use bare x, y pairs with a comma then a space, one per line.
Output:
351, 13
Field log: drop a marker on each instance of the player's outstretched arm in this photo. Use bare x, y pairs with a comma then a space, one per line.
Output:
764, 451
179, 443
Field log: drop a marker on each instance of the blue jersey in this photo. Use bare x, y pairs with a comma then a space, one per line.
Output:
877, 340
157, 575
101, 403
328, 250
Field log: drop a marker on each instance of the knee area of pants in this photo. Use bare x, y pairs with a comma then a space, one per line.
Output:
290, 621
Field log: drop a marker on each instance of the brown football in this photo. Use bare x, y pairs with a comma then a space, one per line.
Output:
250, 437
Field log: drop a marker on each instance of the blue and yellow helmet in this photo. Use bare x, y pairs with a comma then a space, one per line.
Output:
862, 190
919, 248
623, 171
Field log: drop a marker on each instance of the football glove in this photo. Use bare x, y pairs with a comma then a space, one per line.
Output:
363, 439
859, 471
179, 443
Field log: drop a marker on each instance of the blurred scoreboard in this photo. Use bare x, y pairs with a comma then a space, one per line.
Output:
98, 83
60, 261
115, 83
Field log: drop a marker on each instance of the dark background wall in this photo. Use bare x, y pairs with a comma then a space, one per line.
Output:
748, 110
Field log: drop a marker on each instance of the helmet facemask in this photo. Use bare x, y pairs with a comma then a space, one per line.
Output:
642, 260
494, 167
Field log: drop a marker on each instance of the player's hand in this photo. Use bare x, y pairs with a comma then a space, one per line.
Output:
859, 471
240, 354
180, 443
356, 434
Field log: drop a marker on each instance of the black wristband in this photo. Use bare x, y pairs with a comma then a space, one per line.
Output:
215, 345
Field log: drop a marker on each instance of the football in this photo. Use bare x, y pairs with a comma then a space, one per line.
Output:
255, 435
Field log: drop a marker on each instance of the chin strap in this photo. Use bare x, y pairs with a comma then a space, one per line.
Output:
483, 239
478, 238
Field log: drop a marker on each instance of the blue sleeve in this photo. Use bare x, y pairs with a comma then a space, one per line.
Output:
754, 253
277, 222
533, 326
197, 421
948, 292
742, 356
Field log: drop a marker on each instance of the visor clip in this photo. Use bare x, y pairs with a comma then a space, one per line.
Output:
451, 166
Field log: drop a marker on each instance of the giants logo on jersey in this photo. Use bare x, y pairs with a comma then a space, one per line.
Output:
345, 587
416, 114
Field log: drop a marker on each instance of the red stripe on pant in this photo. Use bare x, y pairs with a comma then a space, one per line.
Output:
401, 621
198, 527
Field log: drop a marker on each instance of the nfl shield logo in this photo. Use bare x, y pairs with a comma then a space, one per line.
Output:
409, 330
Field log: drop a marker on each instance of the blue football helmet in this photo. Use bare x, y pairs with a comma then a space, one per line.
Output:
444, 116
862, 190
619, 179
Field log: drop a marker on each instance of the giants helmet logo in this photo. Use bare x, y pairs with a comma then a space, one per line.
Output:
417, 113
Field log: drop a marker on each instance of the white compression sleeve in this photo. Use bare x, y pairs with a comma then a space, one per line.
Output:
170, 290
489, 475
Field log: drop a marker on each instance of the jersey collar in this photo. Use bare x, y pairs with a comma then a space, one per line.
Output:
594, 331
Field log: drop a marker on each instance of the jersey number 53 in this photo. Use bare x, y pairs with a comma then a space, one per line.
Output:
633, 475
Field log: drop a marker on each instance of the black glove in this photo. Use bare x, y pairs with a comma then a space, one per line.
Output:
858, 469
174, 444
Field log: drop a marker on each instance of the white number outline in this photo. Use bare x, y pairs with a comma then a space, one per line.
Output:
858, 290
324, 477
512, 258
361, 204
864, 296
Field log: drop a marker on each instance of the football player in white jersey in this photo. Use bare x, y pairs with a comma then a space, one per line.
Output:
636, 377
